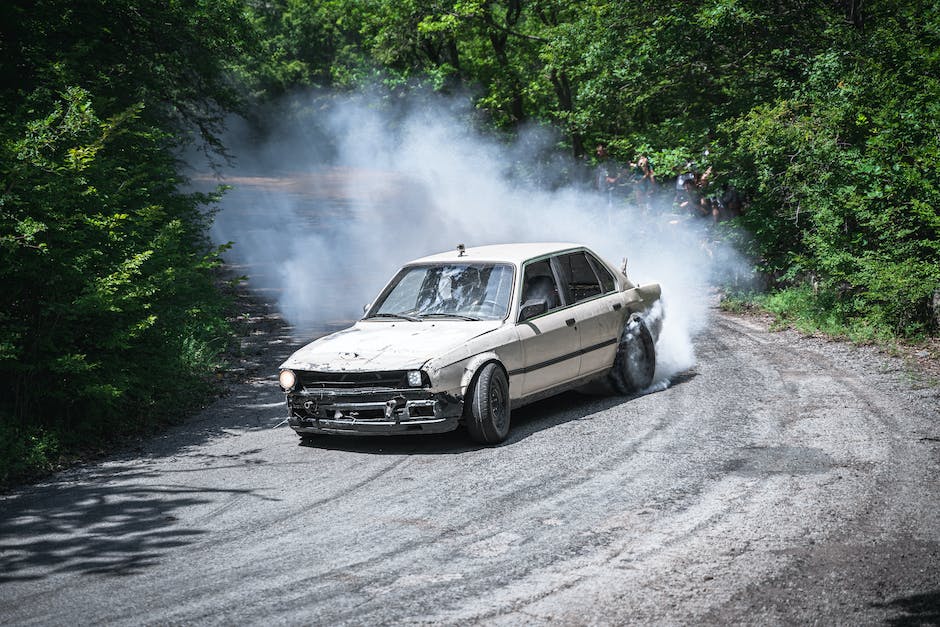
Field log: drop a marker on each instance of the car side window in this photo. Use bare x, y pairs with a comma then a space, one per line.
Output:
539, 282
582, 282
607, 279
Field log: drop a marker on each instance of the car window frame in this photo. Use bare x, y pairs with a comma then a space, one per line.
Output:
599, 266
556, 274
591, 265
555, 265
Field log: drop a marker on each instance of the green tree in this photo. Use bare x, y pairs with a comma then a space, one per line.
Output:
843, 170
110, 317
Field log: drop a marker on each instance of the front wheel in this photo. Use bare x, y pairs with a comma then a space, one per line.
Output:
636, 358
486, 412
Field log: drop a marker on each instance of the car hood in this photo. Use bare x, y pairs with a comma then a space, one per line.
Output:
400, 345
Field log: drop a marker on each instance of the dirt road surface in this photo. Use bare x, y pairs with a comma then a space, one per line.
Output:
783, 480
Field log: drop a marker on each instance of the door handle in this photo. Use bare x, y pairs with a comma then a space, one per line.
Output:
570, 322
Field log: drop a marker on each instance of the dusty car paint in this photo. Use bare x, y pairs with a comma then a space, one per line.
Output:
384, 345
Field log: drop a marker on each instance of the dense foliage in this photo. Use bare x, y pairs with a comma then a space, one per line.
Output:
109, 317
825, 114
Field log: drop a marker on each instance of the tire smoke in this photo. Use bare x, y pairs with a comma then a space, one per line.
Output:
339, 191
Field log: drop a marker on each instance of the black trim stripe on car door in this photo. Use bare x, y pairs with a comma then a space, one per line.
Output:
556, 360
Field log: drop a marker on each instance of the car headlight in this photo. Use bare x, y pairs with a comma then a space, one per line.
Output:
287, 379
414, 378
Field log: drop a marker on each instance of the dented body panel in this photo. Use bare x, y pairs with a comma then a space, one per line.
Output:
411, 370
382, 345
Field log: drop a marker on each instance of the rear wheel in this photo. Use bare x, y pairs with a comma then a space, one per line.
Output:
486, 412
636, 358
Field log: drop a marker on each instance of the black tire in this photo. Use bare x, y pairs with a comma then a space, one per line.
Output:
635, 362
486, 408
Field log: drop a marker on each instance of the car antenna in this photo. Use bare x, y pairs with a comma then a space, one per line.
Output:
623, 268
461, 250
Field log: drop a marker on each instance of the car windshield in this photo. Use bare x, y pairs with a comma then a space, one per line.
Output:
458, 290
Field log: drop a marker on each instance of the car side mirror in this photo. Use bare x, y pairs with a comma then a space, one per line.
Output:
532, 308
365, 307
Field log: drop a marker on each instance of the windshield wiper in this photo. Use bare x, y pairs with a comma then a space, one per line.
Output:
450, 315
394, 315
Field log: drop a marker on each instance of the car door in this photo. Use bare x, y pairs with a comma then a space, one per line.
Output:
596, 307
551, 342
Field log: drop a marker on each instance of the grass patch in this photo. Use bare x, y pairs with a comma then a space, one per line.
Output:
741, 302
812, 313
805, 310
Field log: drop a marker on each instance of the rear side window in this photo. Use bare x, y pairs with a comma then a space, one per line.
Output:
607, 279
578, 273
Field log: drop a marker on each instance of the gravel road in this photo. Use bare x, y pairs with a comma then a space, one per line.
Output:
783, 480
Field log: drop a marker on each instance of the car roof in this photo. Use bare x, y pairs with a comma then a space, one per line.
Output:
506, 253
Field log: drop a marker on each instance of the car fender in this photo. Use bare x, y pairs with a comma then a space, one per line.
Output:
646, 300
473, 366
643, 296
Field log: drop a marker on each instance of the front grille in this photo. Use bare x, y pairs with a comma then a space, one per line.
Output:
315, 412
348, 407
394, 379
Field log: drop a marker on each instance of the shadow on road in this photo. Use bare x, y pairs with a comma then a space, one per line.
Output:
96, 528
919, 609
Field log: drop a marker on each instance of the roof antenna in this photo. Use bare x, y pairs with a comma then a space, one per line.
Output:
461, 250
623, 268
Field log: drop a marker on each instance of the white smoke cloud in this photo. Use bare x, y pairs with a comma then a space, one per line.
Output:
347, 188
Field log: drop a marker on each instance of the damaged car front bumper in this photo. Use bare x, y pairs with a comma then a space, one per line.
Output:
368, 410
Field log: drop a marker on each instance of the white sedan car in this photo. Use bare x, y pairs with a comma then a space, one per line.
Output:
465, 336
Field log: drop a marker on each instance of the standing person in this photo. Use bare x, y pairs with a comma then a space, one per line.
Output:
606, 173
730, 201
706, 207
644, 181
682, 197
691, 201
693, 198
702, 180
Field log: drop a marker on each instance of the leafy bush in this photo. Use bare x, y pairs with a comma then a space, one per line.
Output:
843, 175
26, 450
812, 311
110, 317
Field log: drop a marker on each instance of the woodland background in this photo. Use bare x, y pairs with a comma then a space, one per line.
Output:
825, 114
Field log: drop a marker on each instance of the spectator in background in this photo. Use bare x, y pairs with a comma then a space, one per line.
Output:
691, 201
701, 180
644, 182
682, 196
731, 202
693, 198
606, 173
